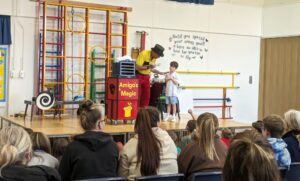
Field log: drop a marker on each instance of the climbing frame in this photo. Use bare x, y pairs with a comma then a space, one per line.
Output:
76, 43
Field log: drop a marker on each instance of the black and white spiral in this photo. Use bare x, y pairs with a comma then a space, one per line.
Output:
45, 100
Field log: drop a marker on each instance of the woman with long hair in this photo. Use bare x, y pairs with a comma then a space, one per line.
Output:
92, 154
208, 153
292, 134
15, 153
250, 157
151, 151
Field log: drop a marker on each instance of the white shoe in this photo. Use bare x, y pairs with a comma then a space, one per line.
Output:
167, 118
173, 119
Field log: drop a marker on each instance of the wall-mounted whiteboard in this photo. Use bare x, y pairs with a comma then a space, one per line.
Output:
188, 46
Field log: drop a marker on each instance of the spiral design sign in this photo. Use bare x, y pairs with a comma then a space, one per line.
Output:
45, 100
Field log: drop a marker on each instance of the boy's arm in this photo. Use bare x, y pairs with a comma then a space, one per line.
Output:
190, 111
168, 77
157, 72
175, 79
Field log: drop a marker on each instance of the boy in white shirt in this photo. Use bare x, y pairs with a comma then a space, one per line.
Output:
171, 91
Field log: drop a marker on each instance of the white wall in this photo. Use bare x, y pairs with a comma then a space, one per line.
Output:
234, 45
234, 38
281, 20
20, 89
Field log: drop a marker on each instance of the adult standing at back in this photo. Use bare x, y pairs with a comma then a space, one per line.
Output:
92, 154
292, 134
145, 64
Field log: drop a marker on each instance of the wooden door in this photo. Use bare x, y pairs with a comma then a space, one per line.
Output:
279, 88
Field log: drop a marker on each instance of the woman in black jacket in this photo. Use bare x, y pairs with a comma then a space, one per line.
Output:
92, 154
15, 153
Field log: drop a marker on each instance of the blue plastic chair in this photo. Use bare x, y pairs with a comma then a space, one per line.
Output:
293, 174
282, 171
207, 176
172, 177
105, 179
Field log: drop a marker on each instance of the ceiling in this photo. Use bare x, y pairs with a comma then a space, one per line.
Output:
259, 2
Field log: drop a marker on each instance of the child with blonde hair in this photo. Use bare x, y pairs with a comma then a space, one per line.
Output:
208, 153
15, 153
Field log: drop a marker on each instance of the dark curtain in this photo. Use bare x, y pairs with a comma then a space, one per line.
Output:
206, 2
5, 34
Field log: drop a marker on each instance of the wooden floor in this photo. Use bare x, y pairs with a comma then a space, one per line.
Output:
70, 126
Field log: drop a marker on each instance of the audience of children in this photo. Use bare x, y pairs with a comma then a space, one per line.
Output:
151, 151
15, 153
172, 83
42, 151
92, 154
273, 130
292, 134
252, 154
250, 158
208, 153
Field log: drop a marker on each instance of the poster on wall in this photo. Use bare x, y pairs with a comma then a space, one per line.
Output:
188, 46
3, 60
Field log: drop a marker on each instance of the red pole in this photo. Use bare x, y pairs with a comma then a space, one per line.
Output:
124, 35
224, 104
143, 40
